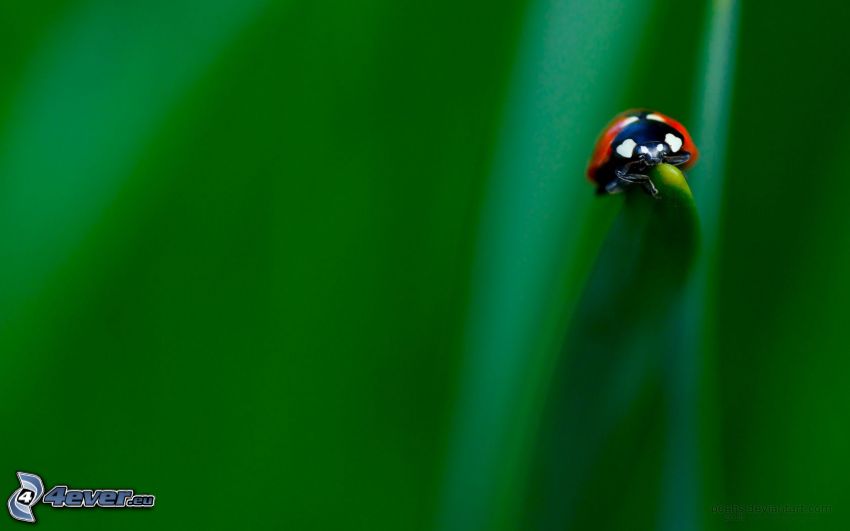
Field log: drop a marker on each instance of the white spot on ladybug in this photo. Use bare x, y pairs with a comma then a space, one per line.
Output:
673, 141
644, 149
656, 117
660, 147
627, 148
629, 120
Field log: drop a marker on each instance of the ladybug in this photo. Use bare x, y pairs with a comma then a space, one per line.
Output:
634, 142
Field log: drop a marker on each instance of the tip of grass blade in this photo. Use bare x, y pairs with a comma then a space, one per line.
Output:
670, 225
672, 179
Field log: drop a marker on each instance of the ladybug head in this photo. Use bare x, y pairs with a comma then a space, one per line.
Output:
654, 152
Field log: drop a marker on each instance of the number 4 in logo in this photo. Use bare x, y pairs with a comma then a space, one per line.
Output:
26, 496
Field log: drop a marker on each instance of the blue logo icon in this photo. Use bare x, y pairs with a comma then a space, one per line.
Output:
31, 492
22, 500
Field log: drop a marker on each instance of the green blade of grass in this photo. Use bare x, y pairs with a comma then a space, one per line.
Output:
539, 224
691, 462
612, 358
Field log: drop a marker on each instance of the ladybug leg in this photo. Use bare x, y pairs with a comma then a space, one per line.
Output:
679, 159
647, 185
650, 188
630, 178
626, 176
622, 179
614, 187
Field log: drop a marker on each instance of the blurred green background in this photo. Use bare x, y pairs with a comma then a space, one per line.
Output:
330, 265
